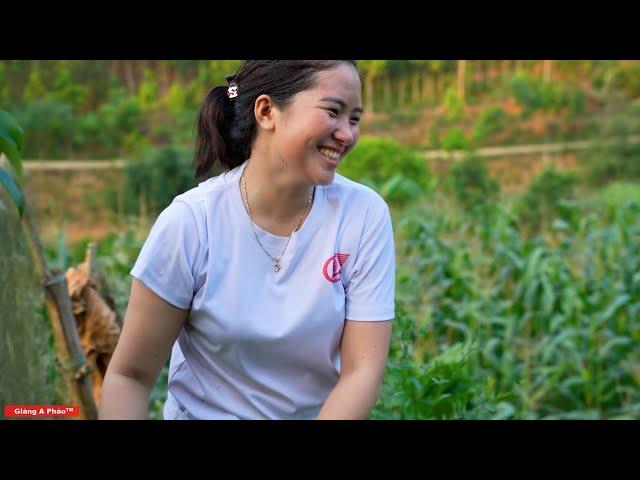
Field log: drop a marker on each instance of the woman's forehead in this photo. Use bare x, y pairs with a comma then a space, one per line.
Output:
342, 82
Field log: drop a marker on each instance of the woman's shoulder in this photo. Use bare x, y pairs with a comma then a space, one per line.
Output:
190, 207
210, 190
204, 190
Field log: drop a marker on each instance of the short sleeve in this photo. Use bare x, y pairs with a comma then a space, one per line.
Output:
168, 260
370, 288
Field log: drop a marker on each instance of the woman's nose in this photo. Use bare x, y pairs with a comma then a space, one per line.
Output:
344, 134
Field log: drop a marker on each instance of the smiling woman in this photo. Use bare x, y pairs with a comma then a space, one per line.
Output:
272, 284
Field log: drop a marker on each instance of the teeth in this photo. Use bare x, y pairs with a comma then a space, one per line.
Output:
329, 153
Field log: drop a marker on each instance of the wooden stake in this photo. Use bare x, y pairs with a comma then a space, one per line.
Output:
69, 350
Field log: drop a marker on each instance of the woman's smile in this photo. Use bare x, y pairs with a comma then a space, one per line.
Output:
332, 157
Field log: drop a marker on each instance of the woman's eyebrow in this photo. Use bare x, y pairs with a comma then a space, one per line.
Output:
340, 102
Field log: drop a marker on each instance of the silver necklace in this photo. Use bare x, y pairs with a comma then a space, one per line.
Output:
276, 265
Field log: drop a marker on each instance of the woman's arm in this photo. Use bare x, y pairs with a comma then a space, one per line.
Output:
364, 351
151, 326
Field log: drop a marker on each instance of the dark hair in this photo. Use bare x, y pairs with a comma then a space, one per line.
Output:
226, 126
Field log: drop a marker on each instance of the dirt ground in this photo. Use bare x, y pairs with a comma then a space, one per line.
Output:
77, 198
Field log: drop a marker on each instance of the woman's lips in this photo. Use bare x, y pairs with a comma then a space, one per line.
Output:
330, 161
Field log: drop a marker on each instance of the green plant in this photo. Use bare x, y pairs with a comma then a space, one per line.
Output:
153, 180
470, 183
453, 105
455, 140
11, 145
534, 94
442, 387
554, 319
627, 79
615, 156
50, 127
490, 121
550, 195
104, 131
397, 173
620, 192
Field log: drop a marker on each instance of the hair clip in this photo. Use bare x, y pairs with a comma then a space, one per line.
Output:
232, 91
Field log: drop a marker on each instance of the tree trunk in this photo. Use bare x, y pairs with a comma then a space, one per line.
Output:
113, 66
416, 88
461, 77
401, 88
546, 71
164, 80
504, 68
130, 76
425, 83
387, 92
368, 90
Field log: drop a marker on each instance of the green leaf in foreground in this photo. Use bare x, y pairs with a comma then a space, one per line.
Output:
14, 191
11, 141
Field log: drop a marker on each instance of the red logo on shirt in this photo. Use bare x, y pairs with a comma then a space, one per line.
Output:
333, 265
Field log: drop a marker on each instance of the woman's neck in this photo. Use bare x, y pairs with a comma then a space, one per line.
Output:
275, 195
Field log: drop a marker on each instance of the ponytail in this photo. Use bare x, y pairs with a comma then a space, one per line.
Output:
213, 141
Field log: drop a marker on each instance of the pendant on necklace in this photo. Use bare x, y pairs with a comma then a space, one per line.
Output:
276, 267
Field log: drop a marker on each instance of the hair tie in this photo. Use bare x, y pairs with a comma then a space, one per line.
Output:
232, 91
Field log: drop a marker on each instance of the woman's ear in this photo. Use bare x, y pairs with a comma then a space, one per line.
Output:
264, 111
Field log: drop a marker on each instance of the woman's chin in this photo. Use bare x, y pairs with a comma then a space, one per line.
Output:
327, 177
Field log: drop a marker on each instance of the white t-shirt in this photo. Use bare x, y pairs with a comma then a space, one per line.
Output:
260, 344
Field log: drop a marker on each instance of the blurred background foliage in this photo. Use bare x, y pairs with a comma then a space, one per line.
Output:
515, 298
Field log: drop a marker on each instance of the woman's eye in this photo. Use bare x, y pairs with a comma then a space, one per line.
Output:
332, 112
355, 121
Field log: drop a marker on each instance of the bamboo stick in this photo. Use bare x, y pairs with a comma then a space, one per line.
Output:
69, 350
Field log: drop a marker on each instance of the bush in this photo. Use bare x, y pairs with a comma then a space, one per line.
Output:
627, 79
490, 122
104, 131
455, 140
50, 127
152, 181
615, 157
525, 91
576, 101
471, 184
621, 192
534, 94
550, 195
397, 173
442, 387
453, 105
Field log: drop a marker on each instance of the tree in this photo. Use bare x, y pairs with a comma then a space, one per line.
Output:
462, 70
419, 68
437, 68
546, 71
371, 69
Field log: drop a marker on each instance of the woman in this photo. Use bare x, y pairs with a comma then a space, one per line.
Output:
271, 284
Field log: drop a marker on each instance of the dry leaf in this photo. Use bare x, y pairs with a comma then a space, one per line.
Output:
96, 323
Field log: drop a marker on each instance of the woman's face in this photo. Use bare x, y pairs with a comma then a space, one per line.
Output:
320, 125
